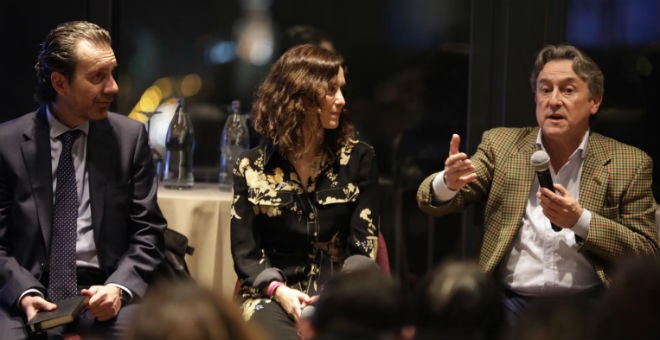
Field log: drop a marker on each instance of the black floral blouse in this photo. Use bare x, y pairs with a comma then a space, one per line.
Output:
280, 231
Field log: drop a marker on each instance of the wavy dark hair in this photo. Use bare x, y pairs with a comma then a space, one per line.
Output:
291, 96
58, 54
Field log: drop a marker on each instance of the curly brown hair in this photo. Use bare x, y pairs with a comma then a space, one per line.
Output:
288, 100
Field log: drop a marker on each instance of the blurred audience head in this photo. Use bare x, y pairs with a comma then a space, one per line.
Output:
583, 66
358, 262
57, 53
305, 34
631, 309
289, 101
359, 304
184, 310
551, 318
458, 300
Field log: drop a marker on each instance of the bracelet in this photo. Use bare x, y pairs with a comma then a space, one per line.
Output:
272, 287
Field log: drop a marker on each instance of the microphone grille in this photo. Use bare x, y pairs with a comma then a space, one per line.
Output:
540, 160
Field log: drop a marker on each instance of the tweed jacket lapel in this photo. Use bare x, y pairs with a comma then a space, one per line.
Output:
593, 182
509, 194
593, 186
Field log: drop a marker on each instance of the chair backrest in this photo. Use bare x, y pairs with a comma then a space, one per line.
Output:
382, 256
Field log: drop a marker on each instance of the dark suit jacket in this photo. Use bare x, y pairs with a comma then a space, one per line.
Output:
128, 225
615, 186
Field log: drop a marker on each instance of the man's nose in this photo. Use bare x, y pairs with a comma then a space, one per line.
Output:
555, 98
111, 86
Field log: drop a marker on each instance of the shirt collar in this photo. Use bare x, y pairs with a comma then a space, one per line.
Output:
57, 128
581, 149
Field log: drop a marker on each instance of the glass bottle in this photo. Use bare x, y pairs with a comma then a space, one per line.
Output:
179, 146
234, 142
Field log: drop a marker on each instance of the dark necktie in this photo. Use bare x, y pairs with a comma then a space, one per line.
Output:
62, 275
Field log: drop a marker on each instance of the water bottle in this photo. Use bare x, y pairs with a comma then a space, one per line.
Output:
179, 146
234, 142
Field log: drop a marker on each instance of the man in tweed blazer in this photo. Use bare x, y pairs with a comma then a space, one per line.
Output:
603, 203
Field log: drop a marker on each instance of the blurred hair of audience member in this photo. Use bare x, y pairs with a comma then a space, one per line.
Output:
557, 317
360, 304
631, 308
458, 300
184, 310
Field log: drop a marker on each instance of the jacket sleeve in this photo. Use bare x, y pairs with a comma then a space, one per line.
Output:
146, 224
625, 225
365, 218
14, 278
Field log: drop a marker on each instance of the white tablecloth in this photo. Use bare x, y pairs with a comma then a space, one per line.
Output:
203, 215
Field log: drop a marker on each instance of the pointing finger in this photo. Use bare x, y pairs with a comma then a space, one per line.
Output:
453, 144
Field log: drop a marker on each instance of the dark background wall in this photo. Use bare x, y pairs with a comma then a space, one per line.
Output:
419, 70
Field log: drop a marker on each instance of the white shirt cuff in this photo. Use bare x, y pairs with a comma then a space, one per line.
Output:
28, 292
441, 191
581, 227
130, 294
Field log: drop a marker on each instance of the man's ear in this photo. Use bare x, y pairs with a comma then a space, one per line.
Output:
595, 104
60, 82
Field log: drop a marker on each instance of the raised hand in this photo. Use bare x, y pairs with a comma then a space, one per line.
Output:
459, 170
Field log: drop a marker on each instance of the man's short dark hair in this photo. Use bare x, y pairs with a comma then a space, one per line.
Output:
57, 54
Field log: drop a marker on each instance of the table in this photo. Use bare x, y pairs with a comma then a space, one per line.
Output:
203, 215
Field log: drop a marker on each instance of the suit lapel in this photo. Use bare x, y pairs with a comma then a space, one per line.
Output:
593, 181
35, 149
99, 161
524, 170
513, 185
520, 183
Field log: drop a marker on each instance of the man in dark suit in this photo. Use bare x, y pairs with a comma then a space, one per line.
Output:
118, 227
603, 205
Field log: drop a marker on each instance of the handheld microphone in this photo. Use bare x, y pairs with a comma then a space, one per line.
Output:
541, 161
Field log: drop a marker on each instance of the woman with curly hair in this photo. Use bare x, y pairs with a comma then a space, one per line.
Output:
307, 199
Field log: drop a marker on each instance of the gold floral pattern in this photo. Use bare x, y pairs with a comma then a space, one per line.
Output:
365, 215
345, 152
347, 194
249, 306
233, 211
